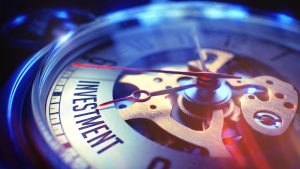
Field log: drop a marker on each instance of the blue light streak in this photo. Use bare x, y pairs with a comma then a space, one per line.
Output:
117, 16
16, 87
19, 20
149, 18
62, 14
219, 13
284, 19
62, 39
238, 13
213, 13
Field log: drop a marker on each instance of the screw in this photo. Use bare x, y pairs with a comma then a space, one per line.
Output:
267, 120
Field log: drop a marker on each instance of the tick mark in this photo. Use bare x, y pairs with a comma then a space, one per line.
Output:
56, 94
67, 145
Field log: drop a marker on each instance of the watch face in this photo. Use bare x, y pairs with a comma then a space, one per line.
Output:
179, 85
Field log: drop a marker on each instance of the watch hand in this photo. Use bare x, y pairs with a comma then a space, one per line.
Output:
198, 48
197, 74
134, 96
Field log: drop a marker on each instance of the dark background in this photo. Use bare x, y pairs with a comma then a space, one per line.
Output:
15, 47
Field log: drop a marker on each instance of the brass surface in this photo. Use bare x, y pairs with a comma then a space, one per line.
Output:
210, 138
158, 109
279, 94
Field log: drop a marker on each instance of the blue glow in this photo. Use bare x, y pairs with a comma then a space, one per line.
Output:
238, 13
117, 16
21, 76
64, 38
251, 90
61, 40
285, 19
213, 13
234, 13
62, 14
19, 20
149, 18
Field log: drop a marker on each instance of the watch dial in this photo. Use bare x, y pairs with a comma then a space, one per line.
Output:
183, 85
